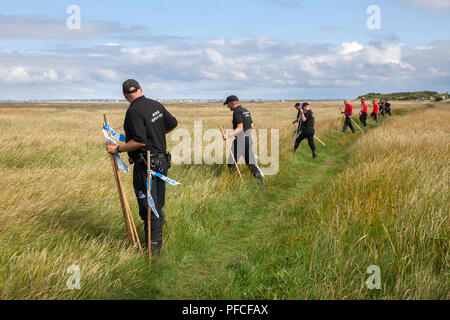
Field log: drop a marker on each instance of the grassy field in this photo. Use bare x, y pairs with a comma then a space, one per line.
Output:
379, 198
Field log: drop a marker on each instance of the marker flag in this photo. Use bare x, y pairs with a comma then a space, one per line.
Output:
120, 163
150, 201
256, 165
114, 134
164, 178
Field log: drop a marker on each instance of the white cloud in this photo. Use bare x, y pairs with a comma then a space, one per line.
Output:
239, 75
108, 74
432, 5
256, 67
18, 75
391, 54
50, 75
350, 47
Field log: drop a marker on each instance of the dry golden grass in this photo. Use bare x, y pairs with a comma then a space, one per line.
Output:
60, 205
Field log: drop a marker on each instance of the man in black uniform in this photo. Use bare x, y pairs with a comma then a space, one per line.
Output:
146, 124
306, 128
243, 143
382, 107
387, 107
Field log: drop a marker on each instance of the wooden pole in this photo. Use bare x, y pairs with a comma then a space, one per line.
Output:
128, 219
231, 152
149, 211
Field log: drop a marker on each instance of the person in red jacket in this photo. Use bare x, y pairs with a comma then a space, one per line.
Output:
363, 113
375, 111
348, 116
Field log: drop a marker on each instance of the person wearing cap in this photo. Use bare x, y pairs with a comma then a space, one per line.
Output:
306, 127
374, 113
348, 116
363, 113
298, 106
242, 135
146, 124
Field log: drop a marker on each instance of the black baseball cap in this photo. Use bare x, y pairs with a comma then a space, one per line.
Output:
130, 86
230, 99
304, 104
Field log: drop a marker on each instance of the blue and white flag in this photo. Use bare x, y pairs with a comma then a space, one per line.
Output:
150, 201
106, 131
163, 177
256, 165
114, 134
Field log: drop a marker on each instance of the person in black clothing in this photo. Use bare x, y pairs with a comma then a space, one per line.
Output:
298, 106
146, 124
348, 112
387, 107
363, 113
382, 107
307, 131
243, 142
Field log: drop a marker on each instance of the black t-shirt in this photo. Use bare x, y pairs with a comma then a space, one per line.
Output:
388, 105
147, 121
309, 123
242, 115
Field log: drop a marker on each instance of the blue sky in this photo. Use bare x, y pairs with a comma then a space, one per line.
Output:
208, 49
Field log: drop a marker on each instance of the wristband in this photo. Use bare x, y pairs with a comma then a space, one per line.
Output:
118, 149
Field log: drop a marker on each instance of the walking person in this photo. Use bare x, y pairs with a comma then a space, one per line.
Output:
306, 127
387, 106
375, 111
242, 135
382, 107
363, 113
348, 116
146, 124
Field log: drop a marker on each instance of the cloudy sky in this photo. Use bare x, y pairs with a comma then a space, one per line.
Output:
280, 49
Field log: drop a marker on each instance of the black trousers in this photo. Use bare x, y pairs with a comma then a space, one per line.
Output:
306, 133
348, 123
243, 147
158, 192
388, 111
374, 116
363, 118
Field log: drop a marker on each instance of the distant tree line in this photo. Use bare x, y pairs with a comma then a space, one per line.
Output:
404, 96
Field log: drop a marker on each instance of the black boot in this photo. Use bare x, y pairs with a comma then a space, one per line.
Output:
156, 243
314, 154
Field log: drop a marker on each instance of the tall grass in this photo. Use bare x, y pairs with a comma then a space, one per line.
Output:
310, 234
